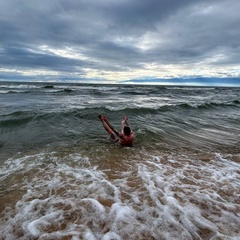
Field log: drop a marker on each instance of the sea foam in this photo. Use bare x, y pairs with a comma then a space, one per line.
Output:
158, 197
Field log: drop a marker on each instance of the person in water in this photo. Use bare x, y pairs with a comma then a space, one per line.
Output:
125, 137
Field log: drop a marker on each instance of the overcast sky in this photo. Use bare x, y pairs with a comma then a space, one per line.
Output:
120, 41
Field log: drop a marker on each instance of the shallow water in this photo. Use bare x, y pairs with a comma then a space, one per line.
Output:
61, 177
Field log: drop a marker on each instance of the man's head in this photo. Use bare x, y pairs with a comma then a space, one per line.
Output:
127, 130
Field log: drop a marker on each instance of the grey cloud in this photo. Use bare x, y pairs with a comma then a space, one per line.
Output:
21, 57
185, 32
205, 35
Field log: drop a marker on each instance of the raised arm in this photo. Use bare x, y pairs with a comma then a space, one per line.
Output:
124, 123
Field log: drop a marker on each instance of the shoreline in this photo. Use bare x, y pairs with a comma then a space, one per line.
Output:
143, 184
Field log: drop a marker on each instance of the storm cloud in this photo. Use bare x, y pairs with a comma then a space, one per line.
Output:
116, 41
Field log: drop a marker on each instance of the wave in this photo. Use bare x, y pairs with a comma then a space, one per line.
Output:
4, 91
17, 118
61, 89
168, 125
172, 107
81, 111
190, 88
19, 86
236, 101
137, 92
45, 90
13, 91
210, 105
23, 117
55, 91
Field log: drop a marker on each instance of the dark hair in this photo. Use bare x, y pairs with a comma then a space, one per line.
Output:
127, 130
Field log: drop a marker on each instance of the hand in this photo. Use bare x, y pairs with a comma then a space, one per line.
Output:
125, 118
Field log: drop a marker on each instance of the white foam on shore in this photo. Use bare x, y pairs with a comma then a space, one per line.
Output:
68, 197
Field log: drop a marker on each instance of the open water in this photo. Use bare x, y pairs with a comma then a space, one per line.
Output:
62, 178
